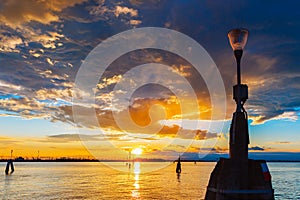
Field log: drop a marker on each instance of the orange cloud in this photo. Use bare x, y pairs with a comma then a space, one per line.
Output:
8, 44
147, 116
125, 10
16, 13
54, 94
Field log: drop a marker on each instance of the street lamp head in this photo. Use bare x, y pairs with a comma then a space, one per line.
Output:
238, 38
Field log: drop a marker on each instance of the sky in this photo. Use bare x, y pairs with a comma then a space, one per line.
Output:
46, 111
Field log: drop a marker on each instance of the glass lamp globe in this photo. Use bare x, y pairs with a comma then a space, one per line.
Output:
238, 38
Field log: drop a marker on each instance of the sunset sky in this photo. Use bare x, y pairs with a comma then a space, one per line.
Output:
44, 43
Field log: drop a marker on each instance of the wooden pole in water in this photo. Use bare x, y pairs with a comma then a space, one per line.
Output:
178, 167
12, 167
10, 163
7, 168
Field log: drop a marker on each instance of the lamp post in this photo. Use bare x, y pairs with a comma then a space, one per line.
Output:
239, 136
239, 177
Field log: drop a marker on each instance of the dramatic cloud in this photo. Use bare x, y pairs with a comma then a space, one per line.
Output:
22, 23
17, 13
140, 115
44, 43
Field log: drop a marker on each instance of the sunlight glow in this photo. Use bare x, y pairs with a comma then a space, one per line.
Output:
137, 151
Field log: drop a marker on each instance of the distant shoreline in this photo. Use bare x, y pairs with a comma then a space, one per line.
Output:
148, 160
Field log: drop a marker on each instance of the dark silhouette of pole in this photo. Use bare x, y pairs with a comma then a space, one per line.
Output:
10, 164
238, 55
239, 134
178, 166
239, 177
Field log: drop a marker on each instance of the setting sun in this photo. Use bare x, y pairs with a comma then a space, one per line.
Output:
137, 151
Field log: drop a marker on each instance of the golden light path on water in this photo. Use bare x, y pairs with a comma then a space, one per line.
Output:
136, 171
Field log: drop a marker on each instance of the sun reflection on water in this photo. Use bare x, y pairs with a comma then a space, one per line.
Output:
136, 170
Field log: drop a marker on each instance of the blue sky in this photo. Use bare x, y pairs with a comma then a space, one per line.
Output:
44, 43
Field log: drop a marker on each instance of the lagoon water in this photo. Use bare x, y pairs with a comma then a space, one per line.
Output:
91, 180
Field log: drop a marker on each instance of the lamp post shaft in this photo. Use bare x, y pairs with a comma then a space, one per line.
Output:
239, 136
238, 55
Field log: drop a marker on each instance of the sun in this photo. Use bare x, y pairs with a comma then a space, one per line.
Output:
137, 151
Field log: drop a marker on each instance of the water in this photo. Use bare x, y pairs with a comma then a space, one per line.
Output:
286, 180
97, 181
